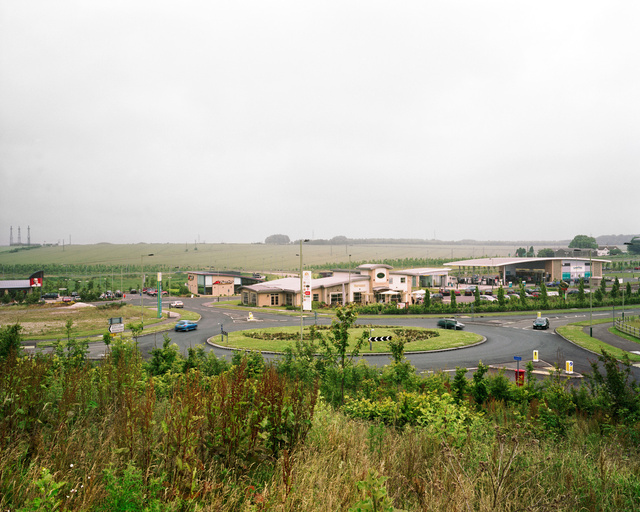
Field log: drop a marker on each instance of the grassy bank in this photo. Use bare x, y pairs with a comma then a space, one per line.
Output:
49, 321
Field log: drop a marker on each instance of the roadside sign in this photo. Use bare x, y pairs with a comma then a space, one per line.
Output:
115, 328
115, 320
517, 358
535, 356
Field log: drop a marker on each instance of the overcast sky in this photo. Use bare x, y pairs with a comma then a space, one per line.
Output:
229, 121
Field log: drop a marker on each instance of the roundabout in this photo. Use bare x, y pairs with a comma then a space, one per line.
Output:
374, 339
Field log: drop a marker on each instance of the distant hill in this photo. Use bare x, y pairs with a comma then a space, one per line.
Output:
614, 239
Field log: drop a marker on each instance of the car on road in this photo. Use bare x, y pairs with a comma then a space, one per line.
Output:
450, 323
176, 304
541, 323
186, 325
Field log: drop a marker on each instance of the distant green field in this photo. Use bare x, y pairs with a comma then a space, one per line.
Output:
244, 257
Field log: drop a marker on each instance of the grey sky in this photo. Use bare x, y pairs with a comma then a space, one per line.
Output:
157, 121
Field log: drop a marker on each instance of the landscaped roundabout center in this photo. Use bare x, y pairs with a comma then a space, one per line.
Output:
416, 339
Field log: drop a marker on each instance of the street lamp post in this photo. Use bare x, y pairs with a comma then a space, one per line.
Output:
349, 294
141, 287
301, 290
590, 290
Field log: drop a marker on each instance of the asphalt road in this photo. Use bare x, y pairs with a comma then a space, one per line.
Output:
506, 337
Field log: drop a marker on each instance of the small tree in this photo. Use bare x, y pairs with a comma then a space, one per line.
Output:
426, 304
336, 343
615, 289
546, 253
583, 242
136, 330
523, 295
10, 341
544, 295
453, 301
603, 287
581, 295
501, 300
476, 300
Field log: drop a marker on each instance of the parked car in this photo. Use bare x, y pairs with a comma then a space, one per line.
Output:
488, 298
50, 295
450, 323
437, 296
186, 325
176, 304
541, 323
470, 290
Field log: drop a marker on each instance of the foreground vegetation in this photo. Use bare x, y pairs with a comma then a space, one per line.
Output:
307, 433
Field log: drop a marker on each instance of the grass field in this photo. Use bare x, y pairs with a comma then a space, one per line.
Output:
247, 257
49, 321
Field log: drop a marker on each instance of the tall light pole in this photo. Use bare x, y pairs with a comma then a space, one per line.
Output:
141, 287
590, 294
349, 295
301, 290
590, 290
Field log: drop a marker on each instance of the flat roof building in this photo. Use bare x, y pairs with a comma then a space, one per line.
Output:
537, 270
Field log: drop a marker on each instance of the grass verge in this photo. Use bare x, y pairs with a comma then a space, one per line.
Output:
45, 323
575, 334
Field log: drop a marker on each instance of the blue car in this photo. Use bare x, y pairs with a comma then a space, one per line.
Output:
186, 325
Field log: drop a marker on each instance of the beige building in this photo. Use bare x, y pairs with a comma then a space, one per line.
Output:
368, 283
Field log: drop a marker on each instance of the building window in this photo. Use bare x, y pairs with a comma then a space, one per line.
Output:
357, 297
336, 298
413, 281
391, 280
316, 297
289, 299
245, 298
254, 299
403, 280
274, 300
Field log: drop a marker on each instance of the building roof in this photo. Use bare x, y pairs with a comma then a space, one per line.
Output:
500, 262
292, 284
17, 284
421, 271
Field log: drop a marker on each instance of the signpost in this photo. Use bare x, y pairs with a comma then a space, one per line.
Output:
116, 328
159, 294
519, 377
